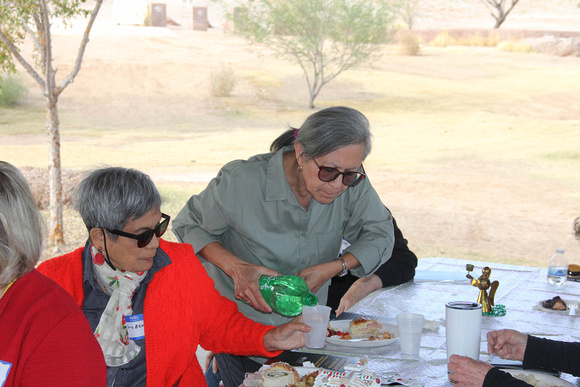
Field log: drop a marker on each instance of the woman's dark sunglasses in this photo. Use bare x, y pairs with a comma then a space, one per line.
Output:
350, 179
144, 238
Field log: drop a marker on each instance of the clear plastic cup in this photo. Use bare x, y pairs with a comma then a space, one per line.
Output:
410, 327
317, 317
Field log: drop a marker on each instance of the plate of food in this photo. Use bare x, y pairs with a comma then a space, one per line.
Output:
283, 374
557, 305
362, 332
539, 379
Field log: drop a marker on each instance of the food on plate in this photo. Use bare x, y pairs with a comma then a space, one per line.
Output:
307, 380
337, 333
361, 328
364, 326
353, 375
280, 374
350, 378
528, 378
555, 303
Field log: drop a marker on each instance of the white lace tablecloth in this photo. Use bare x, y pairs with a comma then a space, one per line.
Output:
440, 280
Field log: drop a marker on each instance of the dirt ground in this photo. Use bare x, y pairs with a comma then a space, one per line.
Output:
141, 90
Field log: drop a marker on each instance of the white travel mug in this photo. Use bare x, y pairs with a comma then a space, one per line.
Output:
463, 328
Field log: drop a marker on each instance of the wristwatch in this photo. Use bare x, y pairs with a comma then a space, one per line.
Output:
344, 267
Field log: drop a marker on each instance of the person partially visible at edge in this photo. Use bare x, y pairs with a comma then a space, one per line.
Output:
150, 302
346, 291
509, 344
45, 340
286, 212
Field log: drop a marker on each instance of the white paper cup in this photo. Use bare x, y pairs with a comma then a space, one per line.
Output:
317, 317
463, 328
410, 327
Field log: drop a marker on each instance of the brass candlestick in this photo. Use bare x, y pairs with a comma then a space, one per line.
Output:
483, 283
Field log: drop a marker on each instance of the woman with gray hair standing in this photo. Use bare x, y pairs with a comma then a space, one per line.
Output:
287, 212
149, 302
45, 340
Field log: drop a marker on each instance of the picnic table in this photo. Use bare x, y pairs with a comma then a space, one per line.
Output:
438, 281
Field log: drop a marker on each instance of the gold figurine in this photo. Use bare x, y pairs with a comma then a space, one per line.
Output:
483, 283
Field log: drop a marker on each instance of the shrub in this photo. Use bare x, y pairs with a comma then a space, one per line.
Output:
12, 91
515, 46
409, 43
443, 39
222, 81
478, 40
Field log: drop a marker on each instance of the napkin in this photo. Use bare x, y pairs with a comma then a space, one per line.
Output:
440, 276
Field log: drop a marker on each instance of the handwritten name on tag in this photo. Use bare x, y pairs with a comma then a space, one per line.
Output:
135, 326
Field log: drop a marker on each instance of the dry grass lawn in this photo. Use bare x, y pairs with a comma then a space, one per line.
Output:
476, 151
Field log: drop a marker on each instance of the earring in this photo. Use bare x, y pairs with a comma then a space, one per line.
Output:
300, 168
99, 258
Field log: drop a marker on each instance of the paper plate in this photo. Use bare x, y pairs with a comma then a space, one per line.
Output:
543, 379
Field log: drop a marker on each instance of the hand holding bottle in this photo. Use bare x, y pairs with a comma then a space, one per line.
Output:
286, 294
246, 277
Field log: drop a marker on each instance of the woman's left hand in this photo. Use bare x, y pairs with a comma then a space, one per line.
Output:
316, 275
466, 372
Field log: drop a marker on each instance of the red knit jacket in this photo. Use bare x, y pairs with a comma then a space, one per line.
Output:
182, 309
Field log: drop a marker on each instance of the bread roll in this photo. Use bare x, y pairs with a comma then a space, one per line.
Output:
364, 326
280, 374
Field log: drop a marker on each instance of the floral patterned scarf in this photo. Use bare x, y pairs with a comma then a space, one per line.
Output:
111, 333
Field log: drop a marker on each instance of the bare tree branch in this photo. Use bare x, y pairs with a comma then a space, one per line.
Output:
47, 54
77, 67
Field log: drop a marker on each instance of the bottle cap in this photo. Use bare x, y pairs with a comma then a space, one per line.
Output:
559, 251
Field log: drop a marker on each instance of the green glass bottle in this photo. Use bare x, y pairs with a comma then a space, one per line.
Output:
286, 294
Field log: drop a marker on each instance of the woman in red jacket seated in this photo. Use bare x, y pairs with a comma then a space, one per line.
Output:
45, 340
150, 302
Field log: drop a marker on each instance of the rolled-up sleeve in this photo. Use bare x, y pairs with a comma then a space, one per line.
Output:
369, 230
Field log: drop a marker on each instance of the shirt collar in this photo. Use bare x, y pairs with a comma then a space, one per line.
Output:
277, 187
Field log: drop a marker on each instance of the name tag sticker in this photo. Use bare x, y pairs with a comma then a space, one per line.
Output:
4, 371
135, 326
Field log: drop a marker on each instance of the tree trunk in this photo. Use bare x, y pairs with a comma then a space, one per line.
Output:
56, 236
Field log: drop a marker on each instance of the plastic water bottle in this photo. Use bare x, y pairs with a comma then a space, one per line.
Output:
286, 294
558, 268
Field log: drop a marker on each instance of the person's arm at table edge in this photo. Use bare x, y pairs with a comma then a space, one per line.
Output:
498, 378
552, 354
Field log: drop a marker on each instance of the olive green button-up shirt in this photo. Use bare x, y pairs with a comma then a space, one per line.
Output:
250, 209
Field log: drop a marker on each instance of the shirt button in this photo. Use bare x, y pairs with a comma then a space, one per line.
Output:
302, 235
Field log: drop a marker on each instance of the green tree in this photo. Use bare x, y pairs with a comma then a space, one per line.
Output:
324, 37
500, 9
21, 19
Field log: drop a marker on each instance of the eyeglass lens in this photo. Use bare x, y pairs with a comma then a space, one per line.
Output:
144, 238
328, 174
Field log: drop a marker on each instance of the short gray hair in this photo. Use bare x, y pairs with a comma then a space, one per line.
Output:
110, 197
21, 225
